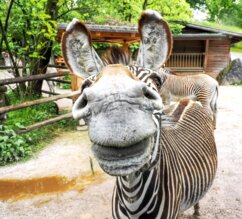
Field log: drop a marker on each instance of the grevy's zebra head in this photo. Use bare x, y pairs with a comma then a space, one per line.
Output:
117, 105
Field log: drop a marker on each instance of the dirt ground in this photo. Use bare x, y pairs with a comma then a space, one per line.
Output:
89, 197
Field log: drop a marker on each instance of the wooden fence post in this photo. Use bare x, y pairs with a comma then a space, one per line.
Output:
3, 89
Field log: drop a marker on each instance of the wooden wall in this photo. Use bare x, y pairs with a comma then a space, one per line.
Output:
188, 46
217, 56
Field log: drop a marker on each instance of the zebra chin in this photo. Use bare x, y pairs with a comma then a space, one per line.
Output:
123, 161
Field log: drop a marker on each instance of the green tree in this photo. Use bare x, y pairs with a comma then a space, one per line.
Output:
233, 16
31, 28
31, 31
130, 10
218, 10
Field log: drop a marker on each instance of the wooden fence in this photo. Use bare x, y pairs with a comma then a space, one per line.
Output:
186, 61
48, 77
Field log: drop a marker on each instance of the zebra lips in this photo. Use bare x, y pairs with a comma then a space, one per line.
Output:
123, 161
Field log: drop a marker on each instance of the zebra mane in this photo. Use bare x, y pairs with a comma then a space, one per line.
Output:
116, 55
176, 114
164, 74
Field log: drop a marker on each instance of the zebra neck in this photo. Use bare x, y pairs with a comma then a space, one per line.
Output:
138, 193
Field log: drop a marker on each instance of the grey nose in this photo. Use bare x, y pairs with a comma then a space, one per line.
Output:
154, 97
136, 93
80, 108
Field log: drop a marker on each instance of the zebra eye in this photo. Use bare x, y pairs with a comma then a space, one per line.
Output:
156, 80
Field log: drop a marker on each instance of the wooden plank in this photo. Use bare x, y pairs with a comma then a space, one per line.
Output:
53, 93
49, 92
32, 78
37, 102
218, 56
21, 67
45, 123
10, 67
206, 55
57, 66
198, 38
59, 81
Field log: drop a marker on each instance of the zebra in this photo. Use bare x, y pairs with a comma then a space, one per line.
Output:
161, 171
200, 87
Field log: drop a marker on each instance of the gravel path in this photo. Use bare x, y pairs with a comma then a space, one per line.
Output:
236, 55
89, 197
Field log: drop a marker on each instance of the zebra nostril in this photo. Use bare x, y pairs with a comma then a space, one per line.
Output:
80, 108
148, 93
84, 101
154, 97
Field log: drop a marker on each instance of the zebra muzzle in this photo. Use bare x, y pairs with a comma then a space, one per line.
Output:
123, 160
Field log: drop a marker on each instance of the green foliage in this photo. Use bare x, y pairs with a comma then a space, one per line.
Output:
220, 11
64, 85
237, 47
12, 147
30, 115
133, 47
233, 16
220, 26
56, 49
83, 10
237, 83
125, 12
35, 140
31, 31
102, 46
28, 26
196, 4
171, 10
217, 9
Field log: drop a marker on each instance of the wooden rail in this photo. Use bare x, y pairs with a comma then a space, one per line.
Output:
47, 77
49, 92
44, 123
31, 78
53, 93
191, 61
21, 67
6, 109
60, 81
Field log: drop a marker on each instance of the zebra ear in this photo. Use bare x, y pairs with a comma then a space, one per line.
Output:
78, 53
156, 40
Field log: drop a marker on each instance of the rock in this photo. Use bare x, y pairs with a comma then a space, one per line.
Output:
232, 74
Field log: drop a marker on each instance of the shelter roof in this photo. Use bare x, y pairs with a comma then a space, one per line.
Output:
129, 34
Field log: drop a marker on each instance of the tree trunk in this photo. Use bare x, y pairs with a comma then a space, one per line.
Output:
41, 67
145, 3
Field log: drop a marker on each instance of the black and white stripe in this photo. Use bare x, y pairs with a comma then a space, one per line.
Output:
143, 74
180, 159
179, 179
146, 75
182, 165
200, 87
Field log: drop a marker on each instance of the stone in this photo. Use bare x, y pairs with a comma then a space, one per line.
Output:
232, 74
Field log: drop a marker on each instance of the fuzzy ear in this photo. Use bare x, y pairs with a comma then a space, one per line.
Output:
156, 40
78, 53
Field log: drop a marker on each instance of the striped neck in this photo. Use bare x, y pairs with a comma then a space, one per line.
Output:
137, 193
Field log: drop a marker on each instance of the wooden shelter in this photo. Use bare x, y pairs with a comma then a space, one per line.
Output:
198, 49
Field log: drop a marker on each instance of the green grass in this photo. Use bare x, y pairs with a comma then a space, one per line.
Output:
234, 49
39, 138
64, 85
237, 47
220, 26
